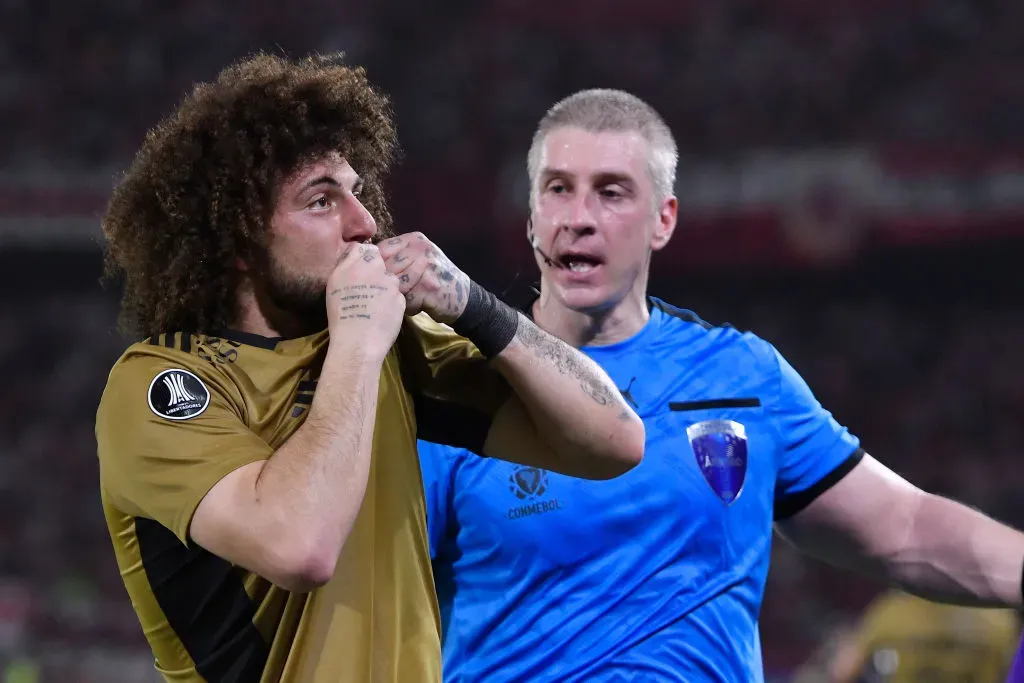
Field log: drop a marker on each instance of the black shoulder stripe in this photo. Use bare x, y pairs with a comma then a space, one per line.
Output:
681, 313
172, 340
709, 404
450, 424
685, 315
249, 339
790, 505
206, 604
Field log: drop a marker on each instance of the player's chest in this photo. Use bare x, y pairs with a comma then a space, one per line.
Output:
276, 401
709, 466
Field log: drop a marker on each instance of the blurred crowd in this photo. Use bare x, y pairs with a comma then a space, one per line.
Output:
469, 79
60, 592
81, 82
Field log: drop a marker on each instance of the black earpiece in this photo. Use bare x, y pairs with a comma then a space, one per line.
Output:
535, 244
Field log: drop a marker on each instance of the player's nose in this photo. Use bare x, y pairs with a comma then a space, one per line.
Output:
359, 223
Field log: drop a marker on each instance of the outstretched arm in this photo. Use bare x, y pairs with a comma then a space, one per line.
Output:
875, 522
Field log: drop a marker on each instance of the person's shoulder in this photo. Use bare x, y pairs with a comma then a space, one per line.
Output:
443, 453
170, 369
424, 339
422, 331
157, 352
683, 327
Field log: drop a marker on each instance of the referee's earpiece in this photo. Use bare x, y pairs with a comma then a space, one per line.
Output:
535, 244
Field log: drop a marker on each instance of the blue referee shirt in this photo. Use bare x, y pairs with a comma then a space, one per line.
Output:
657, 575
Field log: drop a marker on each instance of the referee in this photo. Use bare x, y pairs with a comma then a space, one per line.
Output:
659, 575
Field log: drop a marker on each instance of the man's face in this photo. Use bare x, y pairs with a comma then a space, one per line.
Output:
596, 216
317, 213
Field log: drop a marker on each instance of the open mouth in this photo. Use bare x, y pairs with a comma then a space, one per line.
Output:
578, 263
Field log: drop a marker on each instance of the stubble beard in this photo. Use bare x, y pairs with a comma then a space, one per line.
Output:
302, 296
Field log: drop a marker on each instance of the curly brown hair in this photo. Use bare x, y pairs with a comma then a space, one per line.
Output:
200, 191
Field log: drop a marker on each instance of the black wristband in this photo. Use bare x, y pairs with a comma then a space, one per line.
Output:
487, 321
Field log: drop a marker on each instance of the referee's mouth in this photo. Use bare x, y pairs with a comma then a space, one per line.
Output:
578, 262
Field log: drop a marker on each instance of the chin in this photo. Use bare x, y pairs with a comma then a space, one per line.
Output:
591, 299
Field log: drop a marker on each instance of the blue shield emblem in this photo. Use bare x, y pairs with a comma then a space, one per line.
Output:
721, 450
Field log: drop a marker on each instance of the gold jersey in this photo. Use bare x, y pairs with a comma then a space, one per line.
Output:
180, 411
909, 640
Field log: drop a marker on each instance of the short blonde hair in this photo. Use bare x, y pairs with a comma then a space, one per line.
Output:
600, 109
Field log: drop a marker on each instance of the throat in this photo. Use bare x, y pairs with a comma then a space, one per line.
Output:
590, 328
258, 313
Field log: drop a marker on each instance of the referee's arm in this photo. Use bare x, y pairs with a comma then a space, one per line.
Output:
874, 521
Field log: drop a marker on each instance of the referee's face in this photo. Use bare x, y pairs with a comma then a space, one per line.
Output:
595, 217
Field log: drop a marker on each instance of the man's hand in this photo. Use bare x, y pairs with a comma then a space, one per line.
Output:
364, 303
427, 278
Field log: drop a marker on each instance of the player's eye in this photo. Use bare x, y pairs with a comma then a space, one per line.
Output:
557, 187
323, 202
612, 192
357, 189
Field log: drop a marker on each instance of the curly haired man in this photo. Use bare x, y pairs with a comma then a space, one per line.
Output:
257, 448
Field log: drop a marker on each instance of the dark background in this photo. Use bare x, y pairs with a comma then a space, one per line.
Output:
852, 189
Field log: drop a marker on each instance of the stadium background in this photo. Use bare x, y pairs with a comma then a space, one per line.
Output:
852, 188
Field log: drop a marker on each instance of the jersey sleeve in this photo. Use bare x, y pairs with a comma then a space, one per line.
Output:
437, 466
455, 391
815, 450
167, 430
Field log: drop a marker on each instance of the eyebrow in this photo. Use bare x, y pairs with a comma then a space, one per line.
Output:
322, 180
600, 177
329, 180
604, 177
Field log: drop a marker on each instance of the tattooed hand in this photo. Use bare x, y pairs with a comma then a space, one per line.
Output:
364, 304
429, 281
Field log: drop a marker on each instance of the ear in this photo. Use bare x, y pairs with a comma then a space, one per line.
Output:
667, 214
241, 264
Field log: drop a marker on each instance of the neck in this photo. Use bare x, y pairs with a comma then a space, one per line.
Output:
616, 323
257, 315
